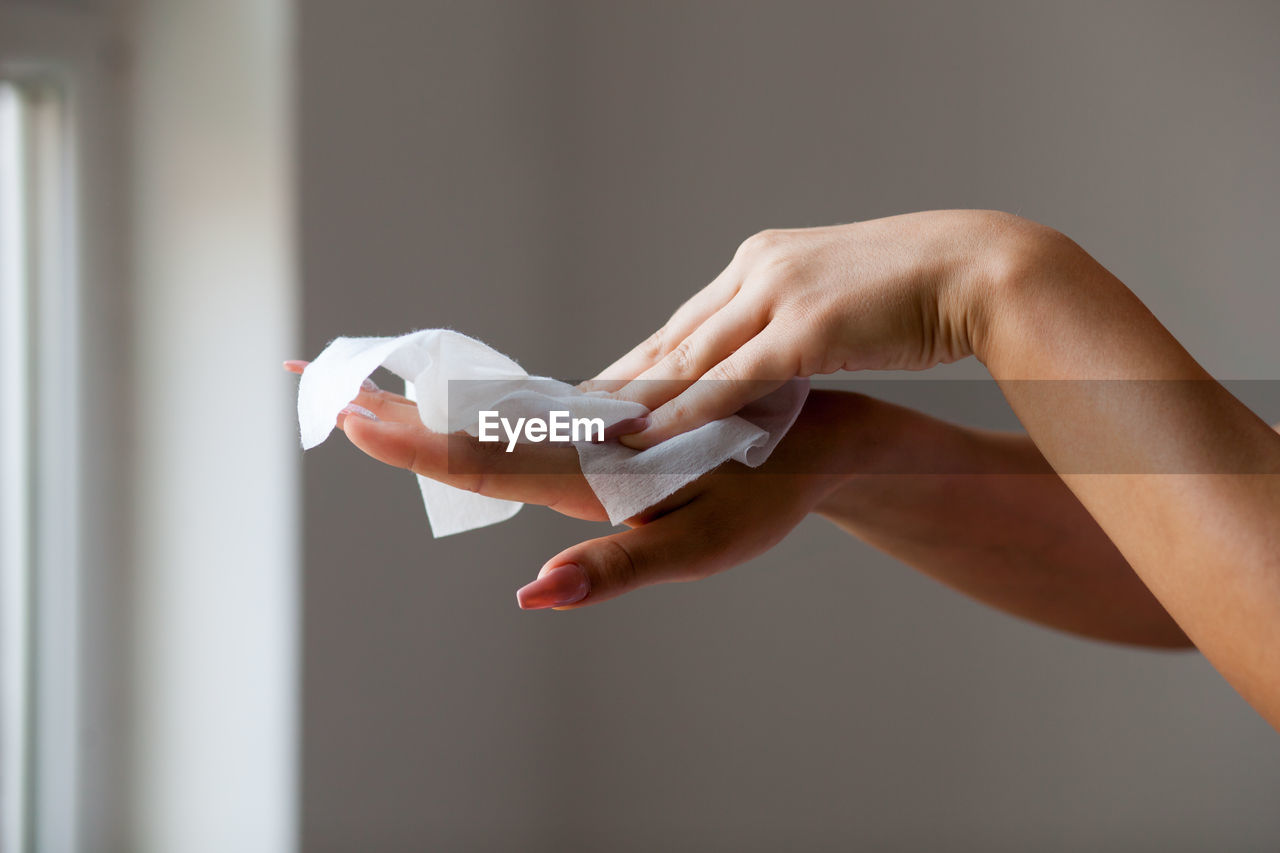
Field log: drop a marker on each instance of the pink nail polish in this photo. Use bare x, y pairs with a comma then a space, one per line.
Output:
633, 440
626, 427
562, 585
369, 385
359, 411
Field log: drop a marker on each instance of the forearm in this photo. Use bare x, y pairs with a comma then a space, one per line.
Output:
1180, 475
983, 513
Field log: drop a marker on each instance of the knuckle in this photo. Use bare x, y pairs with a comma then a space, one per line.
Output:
781, 267
559, 496
475, 482
680, 361
772, 282
618, 568
679, 411
811, 364
476, 462
653, 345
761, 243
726, 371
457, 466
413, 460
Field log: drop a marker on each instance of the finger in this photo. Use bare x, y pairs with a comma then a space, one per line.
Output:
541, 474
389, 410
688, 317
387, 404
757, 368
368, 387
676, 547
711, 343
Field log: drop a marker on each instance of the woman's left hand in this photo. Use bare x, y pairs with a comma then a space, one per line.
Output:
905, 292
720, 520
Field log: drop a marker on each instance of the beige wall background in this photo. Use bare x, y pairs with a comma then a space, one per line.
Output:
555, 178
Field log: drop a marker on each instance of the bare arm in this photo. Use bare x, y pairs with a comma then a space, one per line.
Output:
1178, 473
1130, 441
979, 511
983, 513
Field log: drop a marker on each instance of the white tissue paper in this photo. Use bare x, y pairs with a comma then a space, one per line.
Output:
626, 481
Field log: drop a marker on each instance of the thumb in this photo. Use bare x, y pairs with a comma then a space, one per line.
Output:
674, 547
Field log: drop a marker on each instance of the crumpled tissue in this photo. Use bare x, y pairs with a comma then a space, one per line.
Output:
626, 481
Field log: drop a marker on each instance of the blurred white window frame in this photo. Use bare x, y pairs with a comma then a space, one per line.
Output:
216, 472
147, 683
15, 477
40, 438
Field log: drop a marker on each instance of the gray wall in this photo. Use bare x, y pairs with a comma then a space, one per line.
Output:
555, 178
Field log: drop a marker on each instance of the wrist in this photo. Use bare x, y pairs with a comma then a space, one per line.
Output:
1040, 307
839, 441
970, 260
1015, 277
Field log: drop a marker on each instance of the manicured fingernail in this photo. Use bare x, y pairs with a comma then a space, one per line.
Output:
600, 386
295, 366
635, 440
562, 585
369, 385
359, 411
626, 427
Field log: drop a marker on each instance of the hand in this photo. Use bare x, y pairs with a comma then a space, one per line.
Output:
888, 294
722, 519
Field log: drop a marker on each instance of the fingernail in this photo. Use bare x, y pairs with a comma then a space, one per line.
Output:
562, 585
295, 366
626, 427
369, 385
360, 411
634, 440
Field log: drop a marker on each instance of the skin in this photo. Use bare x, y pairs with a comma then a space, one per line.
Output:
1140, 510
